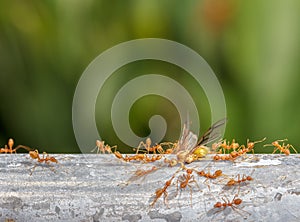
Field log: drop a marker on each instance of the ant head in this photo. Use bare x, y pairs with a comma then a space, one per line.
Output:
249, 178
218, 205
237, 201
251, 144
148, 141
235, 145
218, 172
99, 143
234, 154
275, 143
201, 173
189, 171
10, 143
217, 157
34, 154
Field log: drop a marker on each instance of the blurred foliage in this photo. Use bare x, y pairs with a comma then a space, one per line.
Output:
252, 46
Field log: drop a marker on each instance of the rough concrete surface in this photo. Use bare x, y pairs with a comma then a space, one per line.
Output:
95, 187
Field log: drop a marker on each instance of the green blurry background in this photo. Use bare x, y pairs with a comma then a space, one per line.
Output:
252, 46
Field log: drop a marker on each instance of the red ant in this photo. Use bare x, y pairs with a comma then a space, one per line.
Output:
282, 148
225, 146
224, 157
233, 204
158, 147
242, 150
102, 148
185, 180
9, 147
208, 175
231, 182
250, 147
244, 178
46, 158
161, 191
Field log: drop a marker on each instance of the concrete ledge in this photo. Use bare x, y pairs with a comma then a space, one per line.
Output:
95, 188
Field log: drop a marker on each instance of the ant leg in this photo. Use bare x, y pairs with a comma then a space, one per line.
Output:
293, 148
112, 148
206, 183
35, 165
139, 146
94, 149
276, 150
282, 140
165, 199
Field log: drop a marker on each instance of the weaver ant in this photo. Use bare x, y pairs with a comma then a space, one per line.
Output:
250, 147
158, 147
282, 148
224, 157
102, 148
244, 178
232, 182
46, 158
233, 204
242, 150
9, 147
222, 145
185, 180
163, 191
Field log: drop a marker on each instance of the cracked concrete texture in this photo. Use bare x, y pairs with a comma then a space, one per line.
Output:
96, 188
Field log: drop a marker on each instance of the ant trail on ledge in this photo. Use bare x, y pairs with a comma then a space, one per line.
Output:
237, 152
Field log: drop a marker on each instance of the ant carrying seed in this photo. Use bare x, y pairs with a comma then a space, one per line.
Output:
45, 159
282, 148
